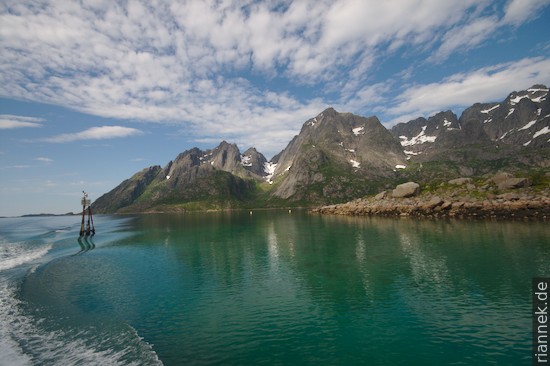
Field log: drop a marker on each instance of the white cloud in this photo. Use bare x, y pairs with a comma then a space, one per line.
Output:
470, 34
460, 90
44, 160
185, 62
8, 121
519, 11
467, 36
95, 133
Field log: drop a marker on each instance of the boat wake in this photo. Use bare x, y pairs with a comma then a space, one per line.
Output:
16, 254
27, 340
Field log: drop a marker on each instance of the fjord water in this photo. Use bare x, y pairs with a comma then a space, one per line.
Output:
271, 287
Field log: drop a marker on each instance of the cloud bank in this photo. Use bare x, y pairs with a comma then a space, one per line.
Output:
242, 70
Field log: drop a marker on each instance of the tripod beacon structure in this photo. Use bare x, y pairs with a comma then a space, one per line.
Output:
87, 229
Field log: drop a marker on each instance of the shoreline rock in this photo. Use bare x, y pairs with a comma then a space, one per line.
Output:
466, 201
437, 208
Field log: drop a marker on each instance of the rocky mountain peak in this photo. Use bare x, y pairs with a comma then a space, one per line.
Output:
360, 146
254, 162
521, 120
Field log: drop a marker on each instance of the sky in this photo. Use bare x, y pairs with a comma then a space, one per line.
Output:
92, 92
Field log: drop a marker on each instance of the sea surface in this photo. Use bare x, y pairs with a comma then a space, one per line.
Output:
268, 288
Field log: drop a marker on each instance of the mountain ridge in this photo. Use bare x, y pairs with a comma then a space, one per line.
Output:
340, 156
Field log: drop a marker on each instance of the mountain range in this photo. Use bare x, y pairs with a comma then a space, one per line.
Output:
340, 156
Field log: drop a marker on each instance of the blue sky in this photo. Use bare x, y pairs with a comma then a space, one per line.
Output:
94, 91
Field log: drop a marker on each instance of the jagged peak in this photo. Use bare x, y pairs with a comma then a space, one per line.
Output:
251, 150
224, 145
330, 111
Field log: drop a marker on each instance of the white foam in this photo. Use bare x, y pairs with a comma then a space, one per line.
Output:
16, 254
63, 347
10, 352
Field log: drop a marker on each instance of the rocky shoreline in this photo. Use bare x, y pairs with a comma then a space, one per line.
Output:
502, 196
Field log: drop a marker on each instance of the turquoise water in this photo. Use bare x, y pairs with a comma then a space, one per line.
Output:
271, 287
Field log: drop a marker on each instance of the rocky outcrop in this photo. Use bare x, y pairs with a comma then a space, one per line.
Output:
524, 206
481, 202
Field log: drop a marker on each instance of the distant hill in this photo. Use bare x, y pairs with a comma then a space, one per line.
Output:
341, 156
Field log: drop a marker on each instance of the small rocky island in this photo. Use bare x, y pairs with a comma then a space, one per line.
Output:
500, 196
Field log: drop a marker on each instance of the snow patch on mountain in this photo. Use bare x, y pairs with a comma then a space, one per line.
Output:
269, 169
542, 131
246, 160
528, 125
358, 131
355, 163
418, 139
490, 109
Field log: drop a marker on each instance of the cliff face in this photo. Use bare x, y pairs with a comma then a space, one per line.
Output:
333, 155
341, 156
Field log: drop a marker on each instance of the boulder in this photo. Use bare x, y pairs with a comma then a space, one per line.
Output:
512, 183
408, 189
501, 177
381, 195
460, 181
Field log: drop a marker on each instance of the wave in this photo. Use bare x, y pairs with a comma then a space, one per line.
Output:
27, 340
16, 254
